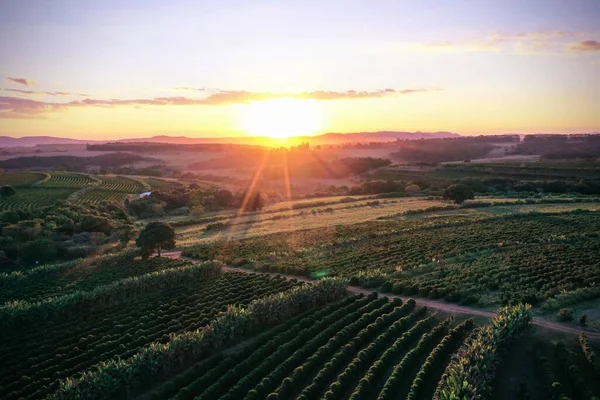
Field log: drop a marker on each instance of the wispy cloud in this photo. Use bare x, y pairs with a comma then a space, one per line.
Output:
586, 46
21, 81
44, 93
14, 107
540, 42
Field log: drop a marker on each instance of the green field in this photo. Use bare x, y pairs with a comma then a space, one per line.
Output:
37, 190
34, 198
340, 297
163, 184
57, 339
485, 259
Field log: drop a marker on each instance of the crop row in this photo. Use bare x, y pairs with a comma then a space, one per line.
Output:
121, 184
518, 258
67, 180
397, 245
121, 377
96, 196
35, 359
34, 198
566, 369
83, 274
324, 354
529, 274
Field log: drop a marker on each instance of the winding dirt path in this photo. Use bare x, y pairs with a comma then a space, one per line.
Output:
434, 304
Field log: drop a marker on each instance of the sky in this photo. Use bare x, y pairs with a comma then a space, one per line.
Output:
131, 68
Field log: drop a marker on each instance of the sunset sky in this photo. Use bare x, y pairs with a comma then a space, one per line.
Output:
110, 69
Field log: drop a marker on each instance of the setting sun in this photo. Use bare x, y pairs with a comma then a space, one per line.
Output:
282, 118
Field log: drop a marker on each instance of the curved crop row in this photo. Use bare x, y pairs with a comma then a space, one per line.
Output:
22, 311
34, 359
422, 348
116, 377
469, 374
436, 357
335, 350
374, 373
193, 382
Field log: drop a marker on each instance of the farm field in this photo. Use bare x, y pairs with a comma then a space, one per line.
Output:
344, 210
47, 281
66, 180
20, 179
46, 342
483, 259
36, 190
163, 184
376, 348
285, 221
118, 327
34, 198
363, 347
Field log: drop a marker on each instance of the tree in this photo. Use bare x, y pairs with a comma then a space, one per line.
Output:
223, 198
7, 191
249, 201
38, 251
155, 235
458, 193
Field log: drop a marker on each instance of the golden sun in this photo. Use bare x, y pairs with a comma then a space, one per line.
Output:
282, 118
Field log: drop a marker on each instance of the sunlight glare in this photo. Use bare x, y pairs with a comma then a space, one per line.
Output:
282, 118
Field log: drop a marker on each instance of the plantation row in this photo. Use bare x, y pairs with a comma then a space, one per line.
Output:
112, 189
71, 337
34, 198
568, 370
397, 245
97, 196
357, 348
528, 274
121, 184
67, 180
327, 342
124, 377
38, 190
44, 282
523, 257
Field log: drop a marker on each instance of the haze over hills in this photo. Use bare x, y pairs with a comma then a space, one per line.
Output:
327, 138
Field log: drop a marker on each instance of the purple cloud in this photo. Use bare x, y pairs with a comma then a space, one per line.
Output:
15, 107
21, 81
44, 93
586, 46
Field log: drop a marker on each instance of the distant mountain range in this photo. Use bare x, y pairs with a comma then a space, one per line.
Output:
327, 138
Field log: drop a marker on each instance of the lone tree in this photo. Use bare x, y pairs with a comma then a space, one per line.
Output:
155, 235
458, 193
249, 200
7, 191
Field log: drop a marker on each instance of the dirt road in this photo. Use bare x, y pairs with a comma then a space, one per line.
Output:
433, 304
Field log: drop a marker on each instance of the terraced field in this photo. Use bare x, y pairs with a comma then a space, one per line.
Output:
67, 180
112, 189
33, 198
36, 190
